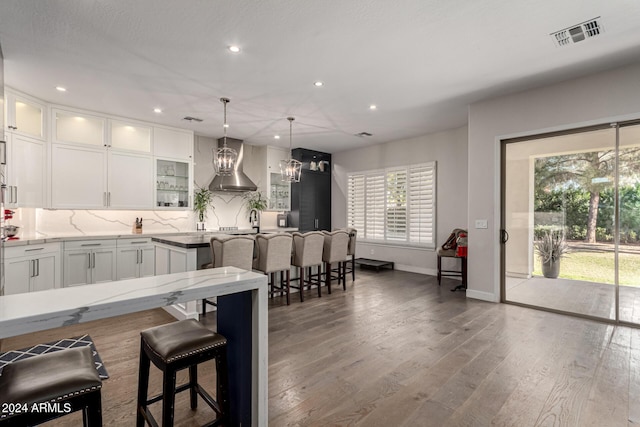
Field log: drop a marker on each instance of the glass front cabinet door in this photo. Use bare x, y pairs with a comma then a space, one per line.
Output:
173, 180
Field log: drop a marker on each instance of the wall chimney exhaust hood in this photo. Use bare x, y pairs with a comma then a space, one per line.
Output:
237, 181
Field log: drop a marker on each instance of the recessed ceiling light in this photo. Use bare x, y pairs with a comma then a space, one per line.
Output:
318, 84
234, 49
276, 137
157, 110
373, 107
61, 89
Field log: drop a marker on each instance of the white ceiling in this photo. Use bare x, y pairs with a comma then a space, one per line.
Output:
420, 61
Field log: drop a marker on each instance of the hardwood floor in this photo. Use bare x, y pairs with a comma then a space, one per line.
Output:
397, 350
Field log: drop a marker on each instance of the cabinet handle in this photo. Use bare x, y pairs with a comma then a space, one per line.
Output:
34, 249
37, 262
138, 243
3, 152
15, 200
137, 256
109, 198
141, 256
89, 260
93, 255
91, 244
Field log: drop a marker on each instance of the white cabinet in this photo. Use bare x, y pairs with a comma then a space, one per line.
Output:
25, 115
129, 136
78, 177
89, 261
130, 181
26, 167
172, 143
277, 191
135, 258
74, 127
173, 184
32, 268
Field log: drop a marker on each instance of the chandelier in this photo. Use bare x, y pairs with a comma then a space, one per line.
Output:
291, 168
224, 159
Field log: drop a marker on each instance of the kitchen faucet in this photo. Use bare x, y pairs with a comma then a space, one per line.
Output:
254, 219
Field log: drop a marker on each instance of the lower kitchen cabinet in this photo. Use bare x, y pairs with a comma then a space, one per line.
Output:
135, 259
89, 261
32, 268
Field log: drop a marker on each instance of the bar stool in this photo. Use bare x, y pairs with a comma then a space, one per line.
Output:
307, 253
173, 347
274, 255
348, 266
66, 380
229, 251
335, 250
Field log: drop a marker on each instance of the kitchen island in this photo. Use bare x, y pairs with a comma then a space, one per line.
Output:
180, 253
242, 319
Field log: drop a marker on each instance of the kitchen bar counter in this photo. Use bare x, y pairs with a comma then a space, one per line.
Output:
34, 240
242, 319
191, 241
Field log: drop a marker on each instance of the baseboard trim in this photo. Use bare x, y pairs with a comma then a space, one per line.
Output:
484, 296
414, 269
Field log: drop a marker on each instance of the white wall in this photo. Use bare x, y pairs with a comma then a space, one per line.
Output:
598, 98
449, 150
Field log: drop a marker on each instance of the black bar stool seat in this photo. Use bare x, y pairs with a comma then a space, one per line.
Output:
64, 381
173, 347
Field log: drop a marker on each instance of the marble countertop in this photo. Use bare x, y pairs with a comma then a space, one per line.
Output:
202, 240
26, 239
34, 311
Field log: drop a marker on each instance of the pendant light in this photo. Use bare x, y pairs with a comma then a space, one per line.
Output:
224, 159
291, 168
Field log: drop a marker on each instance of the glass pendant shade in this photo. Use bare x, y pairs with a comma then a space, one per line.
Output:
224, 159
290, 169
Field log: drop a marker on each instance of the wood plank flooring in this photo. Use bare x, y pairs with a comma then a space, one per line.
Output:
397, 350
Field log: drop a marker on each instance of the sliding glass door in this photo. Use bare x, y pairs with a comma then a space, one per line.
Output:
571, 221
629, 224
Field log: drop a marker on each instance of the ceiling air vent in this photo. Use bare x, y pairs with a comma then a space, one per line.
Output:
192, 119
577, 33
362, 134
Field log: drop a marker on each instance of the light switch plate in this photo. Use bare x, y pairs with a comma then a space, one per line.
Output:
481, 223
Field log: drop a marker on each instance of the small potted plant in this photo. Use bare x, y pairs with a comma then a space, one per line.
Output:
551, 247
202, 200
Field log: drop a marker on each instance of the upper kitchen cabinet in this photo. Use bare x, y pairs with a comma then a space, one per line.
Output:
129, 136
26, 167
78, 128
311, 197
78, 177
266, 162
173, 184
173, 144
25, 115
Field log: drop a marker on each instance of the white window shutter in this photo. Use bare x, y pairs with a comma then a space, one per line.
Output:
422, 203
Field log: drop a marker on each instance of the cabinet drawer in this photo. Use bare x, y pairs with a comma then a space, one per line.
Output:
134, 242
31, 250
89, 244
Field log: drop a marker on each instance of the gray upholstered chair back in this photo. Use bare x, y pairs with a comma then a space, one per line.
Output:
353, 233
307, 248
232, 251
336, 245
274, 252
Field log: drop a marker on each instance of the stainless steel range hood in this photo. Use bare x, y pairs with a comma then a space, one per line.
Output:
237, 181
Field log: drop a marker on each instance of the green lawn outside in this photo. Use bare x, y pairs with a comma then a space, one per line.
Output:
597, 267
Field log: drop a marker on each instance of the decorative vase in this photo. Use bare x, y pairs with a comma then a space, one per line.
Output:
551, 269
200, 226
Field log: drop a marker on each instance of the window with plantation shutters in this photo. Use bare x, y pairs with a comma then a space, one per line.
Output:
395, 206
